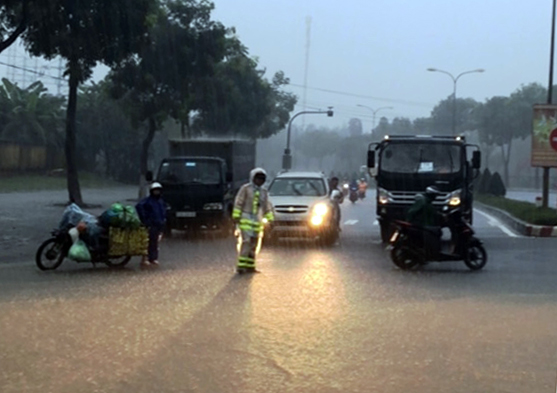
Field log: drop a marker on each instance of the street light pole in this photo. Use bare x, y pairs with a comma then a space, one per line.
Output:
545, 186
287, 157
374, 112
455, 80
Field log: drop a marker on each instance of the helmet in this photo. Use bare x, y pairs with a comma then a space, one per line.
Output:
155, 186
432, 192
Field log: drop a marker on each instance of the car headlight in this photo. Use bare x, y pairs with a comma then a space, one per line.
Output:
316, 220
383, 196
213, 206
455, 199
320, 209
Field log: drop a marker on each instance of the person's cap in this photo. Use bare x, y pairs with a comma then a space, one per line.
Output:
155, 186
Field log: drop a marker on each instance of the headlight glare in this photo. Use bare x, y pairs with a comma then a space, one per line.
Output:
383, 196
320, 209
455, 199
316, 220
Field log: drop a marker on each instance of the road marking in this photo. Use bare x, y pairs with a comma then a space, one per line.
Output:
351, 222
496, 223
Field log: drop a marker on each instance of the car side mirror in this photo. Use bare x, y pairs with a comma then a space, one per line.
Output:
229, 177
371, 159
476, 160
149, 176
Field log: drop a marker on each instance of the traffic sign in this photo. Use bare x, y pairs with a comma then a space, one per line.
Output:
553, 139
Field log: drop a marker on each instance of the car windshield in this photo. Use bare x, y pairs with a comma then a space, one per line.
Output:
190, 172
298, 187
420, 158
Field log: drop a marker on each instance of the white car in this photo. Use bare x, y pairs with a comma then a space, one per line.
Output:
303, 207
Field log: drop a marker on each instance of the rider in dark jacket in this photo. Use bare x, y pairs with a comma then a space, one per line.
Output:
422, 212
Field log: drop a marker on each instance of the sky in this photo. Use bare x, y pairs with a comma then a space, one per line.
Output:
377, 52
381, 49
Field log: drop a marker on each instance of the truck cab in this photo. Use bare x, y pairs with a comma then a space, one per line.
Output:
200, 180
404, 166
197, 191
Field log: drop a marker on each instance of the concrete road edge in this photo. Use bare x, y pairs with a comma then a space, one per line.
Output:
517, 225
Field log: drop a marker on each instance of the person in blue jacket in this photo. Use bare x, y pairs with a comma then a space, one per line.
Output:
152, 212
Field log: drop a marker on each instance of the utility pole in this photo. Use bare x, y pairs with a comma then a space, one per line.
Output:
545, 192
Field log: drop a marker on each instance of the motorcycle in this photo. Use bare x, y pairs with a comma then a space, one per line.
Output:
412, 245
354, 194
345, 189
361, 194
52, 252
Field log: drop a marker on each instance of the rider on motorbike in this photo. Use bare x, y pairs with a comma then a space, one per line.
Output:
423, 214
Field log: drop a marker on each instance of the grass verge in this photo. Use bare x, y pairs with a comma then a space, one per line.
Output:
35, 182
524, 211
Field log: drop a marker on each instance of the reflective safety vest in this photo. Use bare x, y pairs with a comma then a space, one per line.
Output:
252, 207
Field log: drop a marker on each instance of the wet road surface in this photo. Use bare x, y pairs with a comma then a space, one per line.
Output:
342, 319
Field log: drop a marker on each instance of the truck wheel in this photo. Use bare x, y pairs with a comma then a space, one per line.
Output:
386, 231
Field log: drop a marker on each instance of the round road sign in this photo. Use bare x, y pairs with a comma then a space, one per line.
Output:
553, 139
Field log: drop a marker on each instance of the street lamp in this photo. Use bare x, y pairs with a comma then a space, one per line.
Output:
287, 157
374, 112
454, 89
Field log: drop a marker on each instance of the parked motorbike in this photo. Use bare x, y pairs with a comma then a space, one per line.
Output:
413, 245
52, 252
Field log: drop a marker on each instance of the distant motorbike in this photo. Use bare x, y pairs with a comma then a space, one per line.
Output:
52, 252
345, 189
354, 194
413, 245
361, 194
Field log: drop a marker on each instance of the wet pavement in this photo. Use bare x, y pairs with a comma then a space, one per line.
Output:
342, 319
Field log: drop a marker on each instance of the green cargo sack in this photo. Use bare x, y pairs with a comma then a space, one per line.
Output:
121, 216
79, 252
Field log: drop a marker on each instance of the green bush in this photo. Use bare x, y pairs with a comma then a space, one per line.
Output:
483, 182
524, 211
496, 186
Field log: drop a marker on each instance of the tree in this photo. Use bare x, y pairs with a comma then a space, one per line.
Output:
106, 140
422, 126
355, 127
442, 116
30, 115
495, 128
185, 45
86, 33
14, 18
501, 120
318, 144
382, 129
238, 100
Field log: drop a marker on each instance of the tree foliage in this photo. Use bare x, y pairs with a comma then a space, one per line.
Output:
30, 115
14, 18
85, 33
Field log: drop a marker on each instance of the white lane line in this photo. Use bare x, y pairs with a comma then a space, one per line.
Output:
351, 222
497, 224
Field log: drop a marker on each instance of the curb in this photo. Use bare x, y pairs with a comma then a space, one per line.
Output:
517, 225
